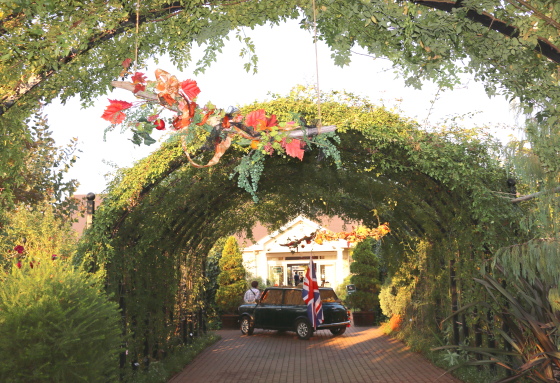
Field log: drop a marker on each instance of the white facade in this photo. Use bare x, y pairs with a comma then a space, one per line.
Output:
277, 264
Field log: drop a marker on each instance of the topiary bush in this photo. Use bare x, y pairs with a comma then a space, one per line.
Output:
365, 270
56, 325
231, 280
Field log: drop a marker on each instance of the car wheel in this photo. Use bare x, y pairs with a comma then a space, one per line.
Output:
338, 330
303, 329
247, 327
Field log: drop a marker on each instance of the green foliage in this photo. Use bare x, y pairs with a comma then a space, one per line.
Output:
162, 371
440, 191
33, 167
341, 291
529, 333
213, 270
40, 231
57, 325
365, 270
231, 280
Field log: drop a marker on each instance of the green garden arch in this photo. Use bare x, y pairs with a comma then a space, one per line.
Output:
161, 217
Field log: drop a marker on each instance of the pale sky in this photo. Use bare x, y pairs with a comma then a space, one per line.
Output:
286, 59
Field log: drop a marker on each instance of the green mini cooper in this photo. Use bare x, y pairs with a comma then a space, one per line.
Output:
283, 308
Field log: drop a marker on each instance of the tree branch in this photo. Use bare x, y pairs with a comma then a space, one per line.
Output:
531, 196
544, 46
94, 41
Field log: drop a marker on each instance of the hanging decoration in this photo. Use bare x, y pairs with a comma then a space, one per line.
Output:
356, 235
203, 128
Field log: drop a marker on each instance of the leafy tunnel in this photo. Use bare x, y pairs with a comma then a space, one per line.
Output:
439, 191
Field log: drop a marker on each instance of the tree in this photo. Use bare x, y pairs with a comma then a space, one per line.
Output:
231, 280
365, 270
35, 174
57, 324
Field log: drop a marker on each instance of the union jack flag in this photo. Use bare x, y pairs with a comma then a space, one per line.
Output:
311, 295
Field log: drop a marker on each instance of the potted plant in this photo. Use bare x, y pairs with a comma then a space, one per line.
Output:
231, 282
365, 270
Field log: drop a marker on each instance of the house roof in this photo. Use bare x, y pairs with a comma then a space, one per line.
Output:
295, 229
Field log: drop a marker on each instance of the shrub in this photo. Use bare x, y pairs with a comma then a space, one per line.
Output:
56, 325
392, 325
366, 277
231, 280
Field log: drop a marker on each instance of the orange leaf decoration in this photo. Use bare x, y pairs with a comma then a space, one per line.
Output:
190, 89
221, 148
225, 122
181, 121
205, 117
113, 112
167, 85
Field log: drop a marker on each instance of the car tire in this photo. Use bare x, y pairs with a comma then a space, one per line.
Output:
303, 329
247, 326
336, 331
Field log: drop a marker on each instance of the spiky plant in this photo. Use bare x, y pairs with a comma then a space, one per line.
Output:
532, 331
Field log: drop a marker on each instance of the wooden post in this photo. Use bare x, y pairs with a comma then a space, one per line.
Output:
90, 209
454, 301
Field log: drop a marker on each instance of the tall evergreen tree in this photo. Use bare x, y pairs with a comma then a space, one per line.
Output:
231, 281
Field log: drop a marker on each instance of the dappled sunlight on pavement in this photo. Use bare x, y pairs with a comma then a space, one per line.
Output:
361, 355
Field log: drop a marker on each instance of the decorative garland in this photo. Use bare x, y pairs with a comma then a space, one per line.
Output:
207, 128
357, 235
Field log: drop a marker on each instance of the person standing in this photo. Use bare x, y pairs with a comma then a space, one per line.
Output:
253, 293
296, 278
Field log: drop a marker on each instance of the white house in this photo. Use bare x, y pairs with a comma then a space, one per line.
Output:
271, 261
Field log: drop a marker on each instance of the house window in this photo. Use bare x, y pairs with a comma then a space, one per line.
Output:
276, 275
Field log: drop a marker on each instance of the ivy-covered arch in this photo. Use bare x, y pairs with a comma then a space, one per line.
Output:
438, 191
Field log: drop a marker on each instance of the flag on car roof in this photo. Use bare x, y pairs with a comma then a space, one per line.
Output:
311, 295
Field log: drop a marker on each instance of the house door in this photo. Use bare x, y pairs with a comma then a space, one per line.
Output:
296, 269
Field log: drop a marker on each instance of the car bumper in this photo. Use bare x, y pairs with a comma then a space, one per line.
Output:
331, 325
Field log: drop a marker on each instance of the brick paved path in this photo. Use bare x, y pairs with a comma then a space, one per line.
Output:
361, 355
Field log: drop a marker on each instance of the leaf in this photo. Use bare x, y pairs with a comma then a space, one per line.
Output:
258, 120
139, 88
138, 78
126, 63
254, 117
294, 148
113, 112
167, 85
221, 148
190, 89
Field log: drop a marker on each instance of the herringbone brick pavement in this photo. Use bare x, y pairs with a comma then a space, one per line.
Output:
361, 355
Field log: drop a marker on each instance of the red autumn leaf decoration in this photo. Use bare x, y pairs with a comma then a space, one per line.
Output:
139, 81
138, 78
258, 120
113, 112
255, 117
190, 89
294, 148
126, 63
